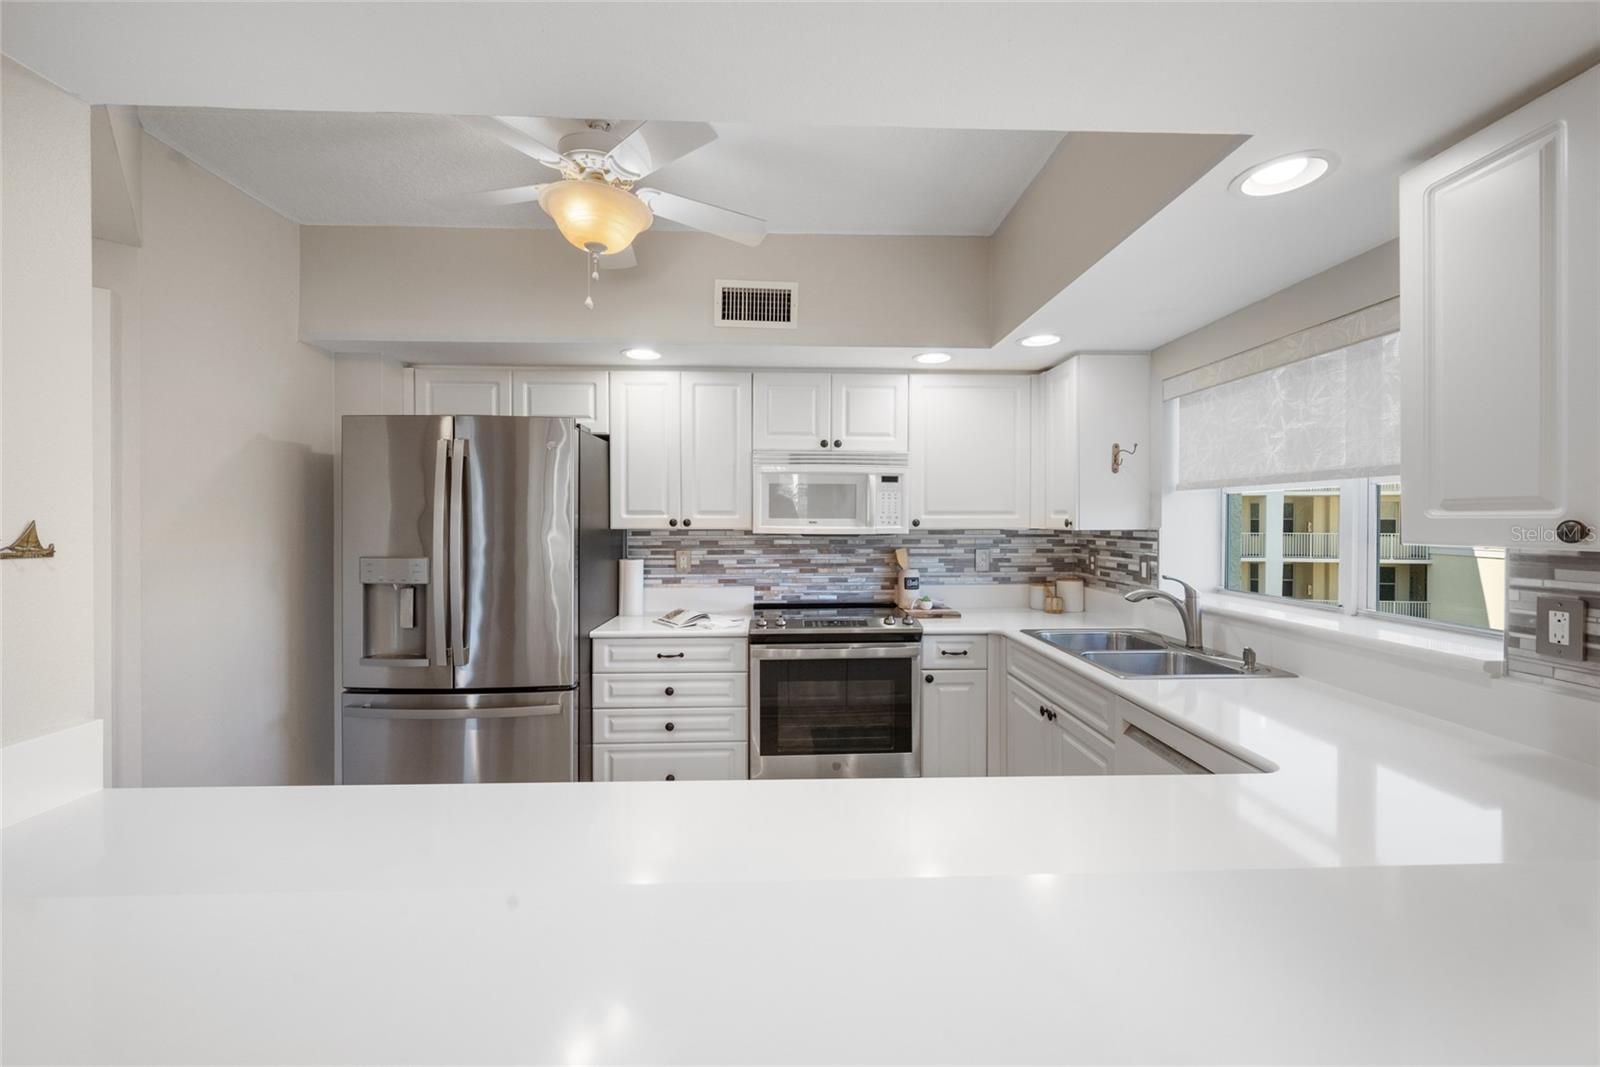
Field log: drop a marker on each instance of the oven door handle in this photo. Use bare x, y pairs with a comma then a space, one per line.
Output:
907, 650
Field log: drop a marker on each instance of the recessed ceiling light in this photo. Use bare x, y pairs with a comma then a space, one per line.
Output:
1039, 340
642, 354
1284, 174
934, 357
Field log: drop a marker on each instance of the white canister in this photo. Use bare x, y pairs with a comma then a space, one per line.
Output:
1070, 590
632, 587
1036, 594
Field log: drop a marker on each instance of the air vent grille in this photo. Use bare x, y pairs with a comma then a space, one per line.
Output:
762, 305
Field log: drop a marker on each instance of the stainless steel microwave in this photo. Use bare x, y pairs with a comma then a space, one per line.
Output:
833, 494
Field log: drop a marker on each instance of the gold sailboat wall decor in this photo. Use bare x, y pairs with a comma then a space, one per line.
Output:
27, 546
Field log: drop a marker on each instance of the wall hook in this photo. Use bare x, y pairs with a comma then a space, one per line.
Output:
27, 546
1117, 452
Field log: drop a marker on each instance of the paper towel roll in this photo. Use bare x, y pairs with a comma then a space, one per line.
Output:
1070, 590
632, 587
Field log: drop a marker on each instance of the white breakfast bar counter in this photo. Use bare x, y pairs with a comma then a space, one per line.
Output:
1400, 891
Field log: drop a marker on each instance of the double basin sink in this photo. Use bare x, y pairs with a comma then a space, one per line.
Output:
1146, 654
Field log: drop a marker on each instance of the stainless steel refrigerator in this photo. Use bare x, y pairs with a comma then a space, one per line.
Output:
476, 557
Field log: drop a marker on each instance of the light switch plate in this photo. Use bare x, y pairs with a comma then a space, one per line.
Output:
1548, 624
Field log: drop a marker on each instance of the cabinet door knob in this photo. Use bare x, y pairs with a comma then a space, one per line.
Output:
672, 777
824, 442
669, 690
927, 678
1573, 532
672, 522
670, 727
686, 524
1067, 524
916, 522
837, 443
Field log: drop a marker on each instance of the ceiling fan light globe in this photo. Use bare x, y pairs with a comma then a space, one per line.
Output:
594, 216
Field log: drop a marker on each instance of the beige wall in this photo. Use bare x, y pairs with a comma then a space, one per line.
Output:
46, 431
231, 450
378, 283
1095, 190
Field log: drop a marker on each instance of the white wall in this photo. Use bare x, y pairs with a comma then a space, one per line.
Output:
46, 439
229, 482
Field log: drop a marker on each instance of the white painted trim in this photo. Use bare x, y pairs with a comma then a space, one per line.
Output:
47, 772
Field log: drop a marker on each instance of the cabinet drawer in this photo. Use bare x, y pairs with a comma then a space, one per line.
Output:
1063, 690
670, 690
661, 654
670, 725
668, 763
955, 652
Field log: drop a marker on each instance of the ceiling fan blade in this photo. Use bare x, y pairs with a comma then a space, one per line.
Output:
619, 260
522, 134
746, 229
652, 145
517, 194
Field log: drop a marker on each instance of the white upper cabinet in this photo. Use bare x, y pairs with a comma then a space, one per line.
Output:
581, 394
870, 412
970, 444
1083, 409
716, 449
463, 391
847, 412
680, 450
1500, 328
645, 450
792, 412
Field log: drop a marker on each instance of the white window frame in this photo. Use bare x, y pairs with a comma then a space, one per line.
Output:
1359, 557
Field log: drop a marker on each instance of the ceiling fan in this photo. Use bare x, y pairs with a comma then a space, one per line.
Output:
595, 203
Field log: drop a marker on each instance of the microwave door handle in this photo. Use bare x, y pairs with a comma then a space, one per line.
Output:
458, 533
438, 655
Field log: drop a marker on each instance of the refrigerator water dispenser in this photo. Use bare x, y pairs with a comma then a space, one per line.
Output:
395, 611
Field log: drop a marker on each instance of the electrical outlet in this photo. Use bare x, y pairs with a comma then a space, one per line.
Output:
985, 559
683, 560
1558, 627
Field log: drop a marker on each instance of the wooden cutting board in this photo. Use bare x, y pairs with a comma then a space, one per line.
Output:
934, 613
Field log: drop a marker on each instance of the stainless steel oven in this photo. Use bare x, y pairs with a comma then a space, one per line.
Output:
833, 696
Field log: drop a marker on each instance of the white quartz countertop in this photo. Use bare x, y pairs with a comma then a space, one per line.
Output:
646, 626
1400, 891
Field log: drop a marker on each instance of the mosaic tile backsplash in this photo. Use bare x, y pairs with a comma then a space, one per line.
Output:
863, 568
1530, 575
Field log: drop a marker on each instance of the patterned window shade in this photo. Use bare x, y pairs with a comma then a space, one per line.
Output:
1335, 415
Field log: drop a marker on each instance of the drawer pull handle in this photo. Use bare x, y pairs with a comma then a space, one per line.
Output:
669, 655
947, 652
669, 690
928, 678
671, 727
672, 777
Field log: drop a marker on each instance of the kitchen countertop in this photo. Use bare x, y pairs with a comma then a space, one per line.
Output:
646, 626
1400, 890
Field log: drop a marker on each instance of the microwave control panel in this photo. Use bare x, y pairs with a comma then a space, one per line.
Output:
890, 509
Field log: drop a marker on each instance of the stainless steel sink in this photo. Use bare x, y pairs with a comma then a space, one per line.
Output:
1167, 663
1098, 640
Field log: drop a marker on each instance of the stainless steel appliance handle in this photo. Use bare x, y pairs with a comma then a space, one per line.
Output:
373, 711
438, 656
458, 534
908, 650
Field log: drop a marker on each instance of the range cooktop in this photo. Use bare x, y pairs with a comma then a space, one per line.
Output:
858, 620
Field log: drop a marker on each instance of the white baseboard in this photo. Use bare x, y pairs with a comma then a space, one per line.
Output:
46, 772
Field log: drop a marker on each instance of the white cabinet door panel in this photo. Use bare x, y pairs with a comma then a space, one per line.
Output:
669, 763
1500, 327
1030, 742
463, 391
1075, 749
1113, 408
670, 726
579, 394
955, 707
870, 412
792, 412
970, 451
671, 690
645, 450
670, 654
716, 450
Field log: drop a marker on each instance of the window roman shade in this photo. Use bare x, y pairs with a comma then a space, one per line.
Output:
1333, 415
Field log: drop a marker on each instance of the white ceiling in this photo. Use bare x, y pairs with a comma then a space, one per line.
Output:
343, 168
1382, 85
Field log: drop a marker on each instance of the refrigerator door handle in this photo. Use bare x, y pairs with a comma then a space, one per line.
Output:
521, 711
438, 654
458, 533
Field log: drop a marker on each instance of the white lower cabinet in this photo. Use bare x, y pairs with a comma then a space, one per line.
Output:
1028, 738
955, 706
1045, 733
670, 763
660, 715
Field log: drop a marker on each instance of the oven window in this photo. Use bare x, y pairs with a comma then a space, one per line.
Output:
827, 707
814, 498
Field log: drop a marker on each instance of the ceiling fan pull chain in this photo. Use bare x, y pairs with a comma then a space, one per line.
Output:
592, 271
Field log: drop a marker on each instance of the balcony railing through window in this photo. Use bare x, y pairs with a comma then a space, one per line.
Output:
1252, 545
1412, 609
1390, 548
1311, 545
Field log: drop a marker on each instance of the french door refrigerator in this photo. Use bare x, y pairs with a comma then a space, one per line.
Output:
476, 556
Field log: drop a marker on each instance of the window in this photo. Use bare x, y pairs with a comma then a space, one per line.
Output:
1341, 546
